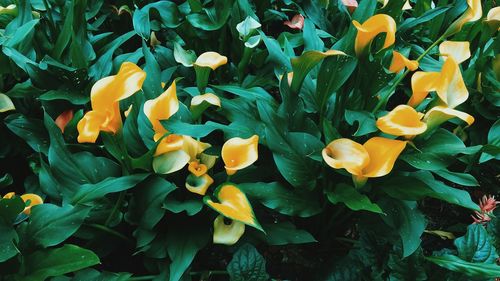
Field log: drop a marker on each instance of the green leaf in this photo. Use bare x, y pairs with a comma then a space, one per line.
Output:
8, 241
292, 202
56, 262
212, 18
458, 178
29, 129
406, 220
247, 265
285, 233
427, 16
184, 57
50, 225
409, 268
476, 245
471, 269
419, 185
10, 209
366, 122
356, 201
90, 192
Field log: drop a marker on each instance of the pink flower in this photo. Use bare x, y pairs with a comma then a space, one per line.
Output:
351, 5
63, 119
297, 22
488, 204
481, 218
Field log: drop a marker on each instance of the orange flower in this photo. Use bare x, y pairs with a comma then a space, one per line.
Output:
238, 153
403, 120
297, 22
399, 62
63, 119
370, 29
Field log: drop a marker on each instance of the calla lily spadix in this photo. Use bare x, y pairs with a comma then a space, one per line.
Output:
30, 198
402, 121
227, 234
372, 27
233, 204
238, 153
104, 97
375, 158
399, 62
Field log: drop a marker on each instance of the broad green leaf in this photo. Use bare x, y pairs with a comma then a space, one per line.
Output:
458, 178
152, 85
184, 57
247, 265
90, 192
366, 122
409, 268
212, 18
292, 202
285, 233
454, 263
348, 195
406, 220
427, 16
29, 129
476, 246
58, 261
50, 225
9, 210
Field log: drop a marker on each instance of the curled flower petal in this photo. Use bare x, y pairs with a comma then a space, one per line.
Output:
297, 22
383, 154
372, 27
351, 5
9, 10
211, 59
421, 84
403, 120
63, 119
6, 103
162, 108
407, 6
452, 90
234, 205
9, 195
399, 62
104, 97
169, 143
198, 184
127, 112
208, 98
238, 153
197, 169
473, 13
458, 50
493, 18
170, 162
440, 114
193, 147
346, 154
32, 200
227, 234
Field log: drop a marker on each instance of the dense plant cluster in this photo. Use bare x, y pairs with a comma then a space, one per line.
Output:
249, 140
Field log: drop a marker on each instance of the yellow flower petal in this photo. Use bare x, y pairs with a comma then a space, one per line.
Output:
9, 195
493, 18
198, 184
403, 120
9, 10
6, 103
372, 27
346, 154
421, 84
208, 160
211, 59
407, 6
473, 13
169, 143
104, 98
209, 98
234, 205
440, 114
238, 153
162, 108
227, 234
170, 162
127, 112
193, 147
383, 154
452, 90
458, 50
33, 200
399, 62
197, 169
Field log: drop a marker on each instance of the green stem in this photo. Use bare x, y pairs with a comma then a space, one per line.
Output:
118, 203
247, 54
383, 100
110, 231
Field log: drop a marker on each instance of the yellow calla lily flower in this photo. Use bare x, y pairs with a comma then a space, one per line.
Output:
197, 169
238, 153
440, 114
403, 120
493, 18
198, 184
407, 6
104, 97
473, 13
227, 234
193, 147
9, 10
33, 200
372, 27
161, 108
458, 50
211, 59
399, 62
375, 158
234, 205
208, 97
